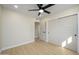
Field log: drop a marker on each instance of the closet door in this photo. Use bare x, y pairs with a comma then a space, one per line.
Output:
63, 32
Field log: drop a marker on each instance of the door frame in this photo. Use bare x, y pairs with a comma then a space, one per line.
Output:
63, 17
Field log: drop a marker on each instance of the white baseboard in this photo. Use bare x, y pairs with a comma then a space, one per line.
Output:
5, 48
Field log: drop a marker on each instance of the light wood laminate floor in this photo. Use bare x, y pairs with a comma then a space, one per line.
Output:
38, 48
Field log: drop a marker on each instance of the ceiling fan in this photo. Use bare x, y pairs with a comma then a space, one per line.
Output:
42, 8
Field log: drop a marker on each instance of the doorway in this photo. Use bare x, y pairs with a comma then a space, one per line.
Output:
63, 32
37, 31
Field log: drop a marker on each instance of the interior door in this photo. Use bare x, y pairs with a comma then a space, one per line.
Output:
43, 31
63, 32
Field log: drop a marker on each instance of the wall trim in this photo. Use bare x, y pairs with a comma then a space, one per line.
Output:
5, 48
78, 35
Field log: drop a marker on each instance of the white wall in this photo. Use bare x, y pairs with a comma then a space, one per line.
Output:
64, 13
17, 29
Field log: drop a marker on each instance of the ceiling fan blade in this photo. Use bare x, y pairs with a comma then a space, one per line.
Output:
47, 11
33, 10
39, 13
49, 5
39, 6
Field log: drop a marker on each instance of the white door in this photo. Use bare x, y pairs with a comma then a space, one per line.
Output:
43, 31
63, 32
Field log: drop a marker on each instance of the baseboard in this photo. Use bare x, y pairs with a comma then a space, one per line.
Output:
5, 48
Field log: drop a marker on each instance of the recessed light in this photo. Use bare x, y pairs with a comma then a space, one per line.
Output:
16, 6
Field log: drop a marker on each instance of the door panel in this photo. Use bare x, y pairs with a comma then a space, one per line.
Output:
63, 32
44, 31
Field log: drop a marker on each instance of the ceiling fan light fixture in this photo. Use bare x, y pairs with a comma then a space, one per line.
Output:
41, 11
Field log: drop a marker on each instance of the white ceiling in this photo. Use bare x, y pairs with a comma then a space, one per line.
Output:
25, 7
